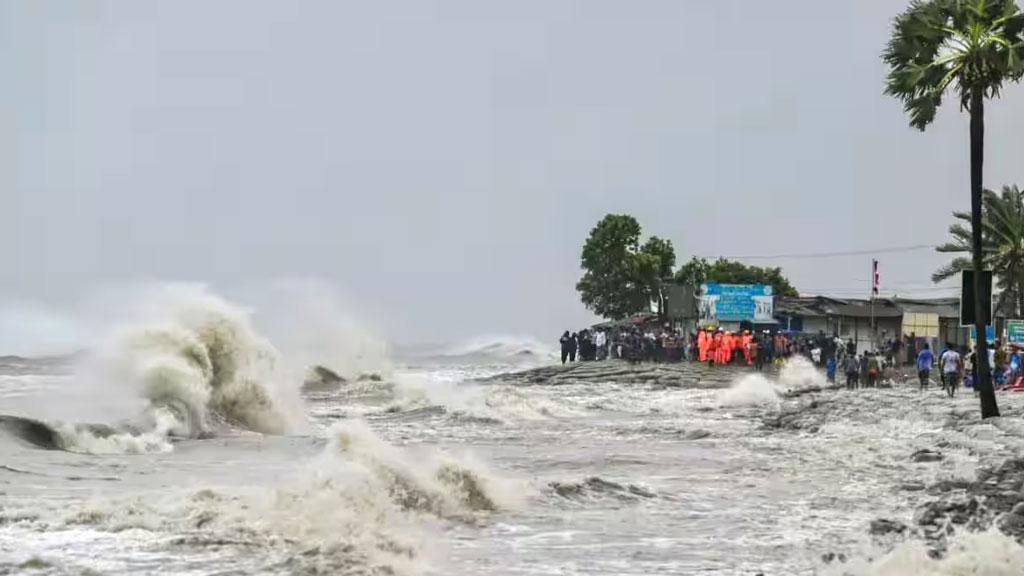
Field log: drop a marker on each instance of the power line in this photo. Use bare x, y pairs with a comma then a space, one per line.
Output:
890, 250
900, 286
883, 288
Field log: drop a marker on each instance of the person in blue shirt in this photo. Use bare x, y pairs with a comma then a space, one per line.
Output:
925, 358
830, 369
1015, 367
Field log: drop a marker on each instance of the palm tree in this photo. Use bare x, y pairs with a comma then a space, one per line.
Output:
1002, 246
971, 47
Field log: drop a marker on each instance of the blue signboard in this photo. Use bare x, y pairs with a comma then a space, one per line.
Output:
736, 303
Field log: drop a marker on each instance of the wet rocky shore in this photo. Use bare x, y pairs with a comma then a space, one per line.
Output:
682, 374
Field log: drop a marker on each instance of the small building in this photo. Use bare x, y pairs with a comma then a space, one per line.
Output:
935, 318
870, 323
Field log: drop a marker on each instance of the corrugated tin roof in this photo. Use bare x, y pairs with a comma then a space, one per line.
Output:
818, 306
790, 306
865, 310
944, 307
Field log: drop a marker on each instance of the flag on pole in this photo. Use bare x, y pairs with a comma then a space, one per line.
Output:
875, 282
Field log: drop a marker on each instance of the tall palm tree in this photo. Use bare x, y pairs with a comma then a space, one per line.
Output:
1002, 246
971, 47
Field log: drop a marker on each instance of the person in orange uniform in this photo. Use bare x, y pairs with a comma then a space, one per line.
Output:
725, 349
747, 339
702, 345
715, 345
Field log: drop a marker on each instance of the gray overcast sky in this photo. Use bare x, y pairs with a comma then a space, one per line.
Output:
442, 162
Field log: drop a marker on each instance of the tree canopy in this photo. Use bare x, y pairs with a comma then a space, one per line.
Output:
1002, 245
621, 277
698, 271
973, 46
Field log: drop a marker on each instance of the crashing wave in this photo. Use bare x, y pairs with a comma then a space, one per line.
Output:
194, 365
359, 507
438, 485
202, 361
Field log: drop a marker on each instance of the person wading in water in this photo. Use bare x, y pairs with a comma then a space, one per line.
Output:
925, 358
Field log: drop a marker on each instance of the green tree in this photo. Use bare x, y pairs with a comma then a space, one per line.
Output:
698, 271
972, 47
621, 278
1002, 242
655, 262
694, 272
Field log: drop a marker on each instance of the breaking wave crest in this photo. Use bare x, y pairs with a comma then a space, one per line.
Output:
426, 482
198, 365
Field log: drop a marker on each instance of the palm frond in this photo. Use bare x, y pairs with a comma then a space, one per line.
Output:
952, 269
1002, 241
972, 45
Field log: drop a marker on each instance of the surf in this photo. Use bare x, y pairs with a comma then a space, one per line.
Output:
196, 364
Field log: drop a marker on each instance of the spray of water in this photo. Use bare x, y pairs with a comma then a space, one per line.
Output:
982, 554
758, 390
185, 363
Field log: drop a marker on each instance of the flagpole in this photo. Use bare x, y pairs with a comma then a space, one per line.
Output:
874, 292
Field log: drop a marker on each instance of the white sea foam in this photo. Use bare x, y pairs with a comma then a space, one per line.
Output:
360, 506
976, 554
423, 479
799, 373
751, 390
758, 390
494, 402
154, 438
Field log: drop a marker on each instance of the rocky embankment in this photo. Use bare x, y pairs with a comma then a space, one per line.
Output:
678, 375
993, 499
691, 375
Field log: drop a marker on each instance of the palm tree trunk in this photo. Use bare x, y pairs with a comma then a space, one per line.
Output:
1020, 299
989, 408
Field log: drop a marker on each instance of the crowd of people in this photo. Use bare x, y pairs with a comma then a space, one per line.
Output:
716, 347
956, 365
832, 354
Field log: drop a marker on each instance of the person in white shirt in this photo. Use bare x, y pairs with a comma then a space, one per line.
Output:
601, 342
952, 369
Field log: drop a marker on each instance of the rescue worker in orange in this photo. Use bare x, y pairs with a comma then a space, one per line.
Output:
725, 350
747, 339
702, 345
755, 354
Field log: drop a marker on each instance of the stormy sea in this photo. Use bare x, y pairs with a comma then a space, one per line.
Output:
187, 442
